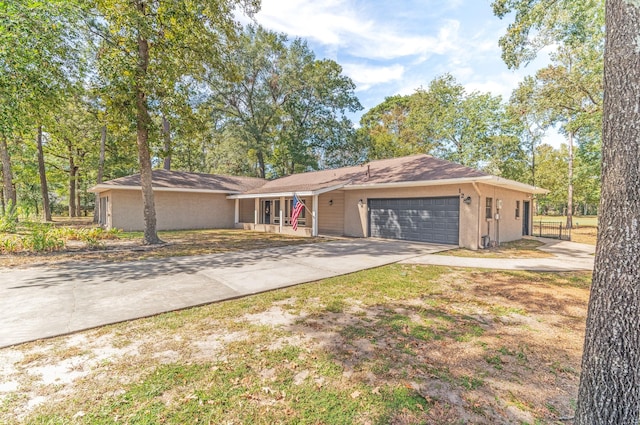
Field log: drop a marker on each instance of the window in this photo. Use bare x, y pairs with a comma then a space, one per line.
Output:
517, 210
489, 208
289, 210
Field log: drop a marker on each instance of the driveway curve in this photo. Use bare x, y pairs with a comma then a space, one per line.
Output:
52, 300
567, 257
46, 301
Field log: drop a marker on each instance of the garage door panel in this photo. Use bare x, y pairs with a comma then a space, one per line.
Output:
418, 219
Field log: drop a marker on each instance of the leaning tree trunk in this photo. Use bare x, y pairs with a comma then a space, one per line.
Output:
7, 176
609, 390
143, 121
46, 208
570, 187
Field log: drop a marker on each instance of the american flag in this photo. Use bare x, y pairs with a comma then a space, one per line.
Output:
298, 206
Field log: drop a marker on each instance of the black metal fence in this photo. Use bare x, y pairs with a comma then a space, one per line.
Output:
547, 229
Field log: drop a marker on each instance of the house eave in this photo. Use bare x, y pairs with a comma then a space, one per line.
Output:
105, 187
288, 194
489, 180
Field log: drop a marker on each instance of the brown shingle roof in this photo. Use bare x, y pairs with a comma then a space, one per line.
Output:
194, 181
413, 168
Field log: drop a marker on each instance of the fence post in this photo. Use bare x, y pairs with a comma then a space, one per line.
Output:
540, 229
560, 235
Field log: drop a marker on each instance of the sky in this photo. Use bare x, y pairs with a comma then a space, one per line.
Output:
390, 47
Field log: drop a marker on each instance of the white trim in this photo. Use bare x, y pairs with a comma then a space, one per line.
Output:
489, 180
236, 212
287, 194
104, 187
314, 216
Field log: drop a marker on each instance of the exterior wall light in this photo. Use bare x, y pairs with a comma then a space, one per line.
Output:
467, 200
330, 201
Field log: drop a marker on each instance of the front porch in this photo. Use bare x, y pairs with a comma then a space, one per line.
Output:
273, 215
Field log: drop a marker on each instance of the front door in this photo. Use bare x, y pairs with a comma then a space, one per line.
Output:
526, 218
266, 212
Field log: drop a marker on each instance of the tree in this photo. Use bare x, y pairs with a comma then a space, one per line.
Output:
387, 129
473, 129
523, 106
569, 91
285, 107
609, 391
39, 63
541, 23
148, 47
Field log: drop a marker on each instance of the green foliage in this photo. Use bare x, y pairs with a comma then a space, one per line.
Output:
541, 23
42, 238
444, 120
286, 109
9, 219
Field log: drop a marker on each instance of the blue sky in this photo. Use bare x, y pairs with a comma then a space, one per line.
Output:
395, 46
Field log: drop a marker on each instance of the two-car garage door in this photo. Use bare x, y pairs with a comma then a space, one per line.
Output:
415, 219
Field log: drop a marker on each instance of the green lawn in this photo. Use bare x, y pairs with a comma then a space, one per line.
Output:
400, 344
579, 220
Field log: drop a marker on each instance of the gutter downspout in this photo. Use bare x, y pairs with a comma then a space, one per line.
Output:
479, 234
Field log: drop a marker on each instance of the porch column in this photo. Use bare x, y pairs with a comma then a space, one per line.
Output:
236, 216
256, 209
281, 212
314, 214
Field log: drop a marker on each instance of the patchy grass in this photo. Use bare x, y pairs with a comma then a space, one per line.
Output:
585, 228
578, 220
523, 248
588, 235
400, 344
127, 246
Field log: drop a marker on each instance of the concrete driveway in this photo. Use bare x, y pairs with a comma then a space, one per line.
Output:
566, 257
46, 301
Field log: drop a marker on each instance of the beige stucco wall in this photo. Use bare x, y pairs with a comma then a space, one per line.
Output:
507, 228
473, 224
246, 210
331, 213
174, 210
343, 217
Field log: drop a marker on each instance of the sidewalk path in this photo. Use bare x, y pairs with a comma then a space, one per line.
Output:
568, 256
46, 301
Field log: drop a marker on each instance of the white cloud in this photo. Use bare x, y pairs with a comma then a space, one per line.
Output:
340, 23
365, 76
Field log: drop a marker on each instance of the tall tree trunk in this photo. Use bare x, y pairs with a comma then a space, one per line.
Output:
609, 391
78, 194
103, 143
72, 181
7, 175
262, 171
570, 187
166, 132
46, 208
143, 121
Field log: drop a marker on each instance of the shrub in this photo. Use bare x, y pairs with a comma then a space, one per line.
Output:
42, 238
9, 220
10, 244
